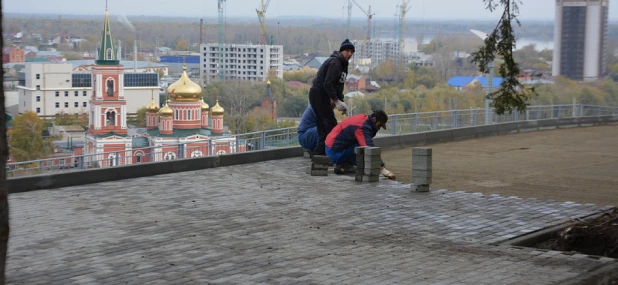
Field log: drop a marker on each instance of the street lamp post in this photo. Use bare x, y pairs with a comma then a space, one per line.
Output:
489, 82
489, 89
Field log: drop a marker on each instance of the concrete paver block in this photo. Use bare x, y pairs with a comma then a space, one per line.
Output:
373, 151
421, 151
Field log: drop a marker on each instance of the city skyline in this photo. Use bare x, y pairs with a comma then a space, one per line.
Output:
383, 9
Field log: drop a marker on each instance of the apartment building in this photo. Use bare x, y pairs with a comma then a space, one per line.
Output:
241, 62
377, 50
580, 39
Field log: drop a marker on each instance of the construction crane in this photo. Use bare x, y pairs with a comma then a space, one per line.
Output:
368, 37
261, 13
349, 25
221, 67
402, 11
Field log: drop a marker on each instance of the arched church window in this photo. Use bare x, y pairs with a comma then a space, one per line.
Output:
197, 153
170, 155
110, 118
110, 87
109, 54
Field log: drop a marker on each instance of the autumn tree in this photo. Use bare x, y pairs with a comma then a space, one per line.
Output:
26, 138
182, 45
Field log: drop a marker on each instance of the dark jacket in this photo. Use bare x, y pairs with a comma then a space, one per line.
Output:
359, 129
331, 76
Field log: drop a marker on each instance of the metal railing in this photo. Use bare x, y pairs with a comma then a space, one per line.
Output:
399, 124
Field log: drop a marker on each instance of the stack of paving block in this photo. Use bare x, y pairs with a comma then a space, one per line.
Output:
421, 169
319, 165
368, 162
360, 162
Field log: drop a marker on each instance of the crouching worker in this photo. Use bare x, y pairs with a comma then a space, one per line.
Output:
352, 132
307, 130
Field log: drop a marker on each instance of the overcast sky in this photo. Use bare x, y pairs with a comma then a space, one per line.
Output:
430, 9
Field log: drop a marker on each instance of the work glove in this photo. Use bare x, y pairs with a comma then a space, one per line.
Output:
341, 106
388, 174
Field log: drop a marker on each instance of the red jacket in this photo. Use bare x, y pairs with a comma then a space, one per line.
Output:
356, 129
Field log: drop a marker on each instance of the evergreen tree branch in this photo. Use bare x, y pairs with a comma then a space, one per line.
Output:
501, 42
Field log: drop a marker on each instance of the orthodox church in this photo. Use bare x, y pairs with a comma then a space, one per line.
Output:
180, 129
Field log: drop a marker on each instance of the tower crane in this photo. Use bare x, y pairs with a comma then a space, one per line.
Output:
349, 24
403, 10
221, 67
368, 37
261, 13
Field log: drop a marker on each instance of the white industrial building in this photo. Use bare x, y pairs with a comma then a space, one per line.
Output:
241, 62
49, 89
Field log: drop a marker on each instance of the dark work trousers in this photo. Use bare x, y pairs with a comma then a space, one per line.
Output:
325, 117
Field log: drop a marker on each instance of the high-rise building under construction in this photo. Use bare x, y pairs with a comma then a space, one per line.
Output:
580, 39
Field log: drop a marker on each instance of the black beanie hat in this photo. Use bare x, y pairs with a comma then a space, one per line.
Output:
346, 45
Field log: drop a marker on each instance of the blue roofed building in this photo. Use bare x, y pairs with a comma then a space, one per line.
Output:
176, 62
462, 82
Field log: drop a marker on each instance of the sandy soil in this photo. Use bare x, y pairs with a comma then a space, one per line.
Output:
579, 165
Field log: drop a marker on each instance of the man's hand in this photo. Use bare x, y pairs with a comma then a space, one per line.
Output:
388, 174
341, 106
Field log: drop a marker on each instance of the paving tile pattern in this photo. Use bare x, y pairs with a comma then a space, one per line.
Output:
271, 223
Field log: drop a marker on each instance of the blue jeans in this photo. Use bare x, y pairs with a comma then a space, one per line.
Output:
346, 156
309, 139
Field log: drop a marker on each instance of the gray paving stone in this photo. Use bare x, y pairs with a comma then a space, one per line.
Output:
271, 223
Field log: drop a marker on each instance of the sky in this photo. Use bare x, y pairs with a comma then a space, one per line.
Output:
420, 9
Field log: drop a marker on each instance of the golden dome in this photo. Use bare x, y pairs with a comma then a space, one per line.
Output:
217, 110
184, 90
166, 111
152, 108
268, 82
205, 106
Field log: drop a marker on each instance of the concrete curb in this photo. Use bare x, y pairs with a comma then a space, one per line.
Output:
426, 138
82, 177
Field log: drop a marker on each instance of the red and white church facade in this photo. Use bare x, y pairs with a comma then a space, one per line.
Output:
185, 127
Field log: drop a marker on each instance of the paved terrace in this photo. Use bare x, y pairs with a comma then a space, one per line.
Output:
270, 223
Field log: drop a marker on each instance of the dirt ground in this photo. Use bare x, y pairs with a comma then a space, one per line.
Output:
579, 165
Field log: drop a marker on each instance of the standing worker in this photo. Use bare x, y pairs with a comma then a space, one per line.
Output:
328, 85
353, 132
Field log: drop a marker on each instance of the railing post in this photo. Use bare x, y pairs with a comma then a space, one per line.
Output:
516, 116
474, 118
394, 125
598, 111
237, 144
262, 140
538, 114
455, 119
287, 137
181, 151
580, 110
435, 120
415, 123
42, 167
210, 150
80, 162
117, 158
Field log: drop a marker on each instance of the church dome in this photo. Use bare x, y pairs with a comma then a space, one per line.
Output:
204, 106
166, 111
152, 108
184, 90
217, 110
